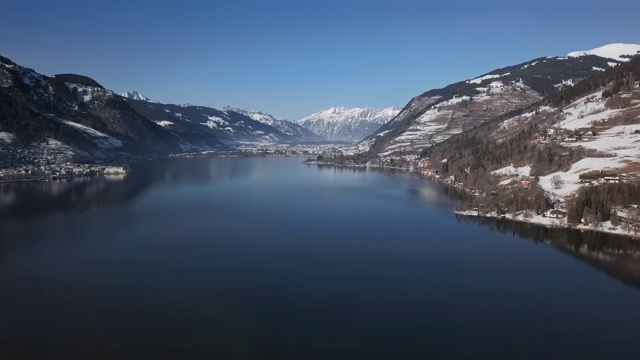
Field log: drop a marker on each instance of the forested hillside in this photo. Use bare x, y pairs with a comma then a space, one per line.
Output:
438, 114
581, 133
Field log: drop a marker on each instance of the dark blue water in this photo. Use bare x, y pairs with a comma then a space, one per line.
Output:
271, 258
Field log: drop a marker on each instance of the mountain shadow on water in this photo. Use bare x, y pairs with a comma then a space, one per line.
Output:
615, 255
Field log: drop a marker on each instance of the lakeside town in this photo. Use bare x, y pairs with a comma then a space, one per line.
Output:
52, 160
47, 161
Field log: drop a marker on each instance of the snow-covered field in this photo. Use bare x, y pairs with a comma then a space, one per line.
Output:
513, 171
585, 111
621, 143
619, 140
571, 178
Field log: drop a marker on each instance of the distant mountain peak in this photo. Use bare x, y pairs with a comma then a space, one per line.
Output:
348, 124
338, 113
135, 95
337, 109
617, 51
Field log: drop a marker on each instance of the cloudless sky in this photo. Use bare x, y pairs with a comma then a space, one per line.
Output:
291, 58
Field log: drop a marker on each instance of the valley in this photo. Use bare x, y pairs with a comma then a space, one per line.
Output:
523, 140
319, 180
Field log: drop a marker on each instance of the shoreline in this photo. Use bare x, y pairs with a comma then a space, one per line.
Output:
61, 172
549, 223
98, 169
539, 220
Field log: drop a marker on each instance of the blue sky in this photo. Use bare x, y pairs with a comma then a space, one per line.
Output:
292, 58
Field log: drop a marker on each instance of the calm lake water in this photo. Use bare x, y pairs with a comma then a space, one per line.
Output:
271, 258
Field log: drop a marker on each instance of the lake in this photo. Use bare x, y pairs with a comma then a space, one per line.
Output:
272, 258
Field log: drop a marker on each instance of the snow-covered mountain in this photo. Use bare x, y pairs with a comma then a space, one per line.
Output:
75, 116
342, 124
438, 114
577, 151
285, 126
84, 121
619, 52
230, 127
134, 95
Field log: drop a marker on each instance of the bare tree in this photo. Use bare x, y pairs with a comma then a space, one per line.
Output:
634, 217
557, 181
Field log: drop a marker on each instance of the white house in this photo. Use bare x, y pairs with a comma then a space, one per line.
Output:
554, 213
115, 170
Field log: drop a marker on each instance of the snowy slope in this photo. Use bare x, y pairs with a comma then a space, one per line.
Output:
342, 124
619, 52
438, 114
198, 123
76, 111
287, 127
607, 129
135, 96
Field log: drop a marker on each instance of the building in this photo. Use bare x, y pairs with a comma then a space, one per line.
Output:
611, 179
115, 170
554, 213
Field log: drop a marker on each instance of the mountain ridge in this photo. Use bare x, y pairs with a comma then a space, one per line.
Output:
437, 114
616, 51
347, 124
290, 128
93, 123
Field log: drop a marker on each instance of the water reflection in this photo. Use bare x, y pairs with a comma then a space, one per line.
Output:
430, 192
24, 199
227, 257
615, 255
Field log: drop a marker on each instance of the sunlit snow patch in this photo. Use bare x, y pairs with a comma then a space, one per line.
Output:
164, 123
6, 137
101, 139
214, 122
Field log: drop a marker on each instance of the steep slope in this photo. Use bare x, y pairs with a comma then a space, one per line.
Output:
439, 114
342, 124
566, 143
201, 122
74, 112
287, 127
